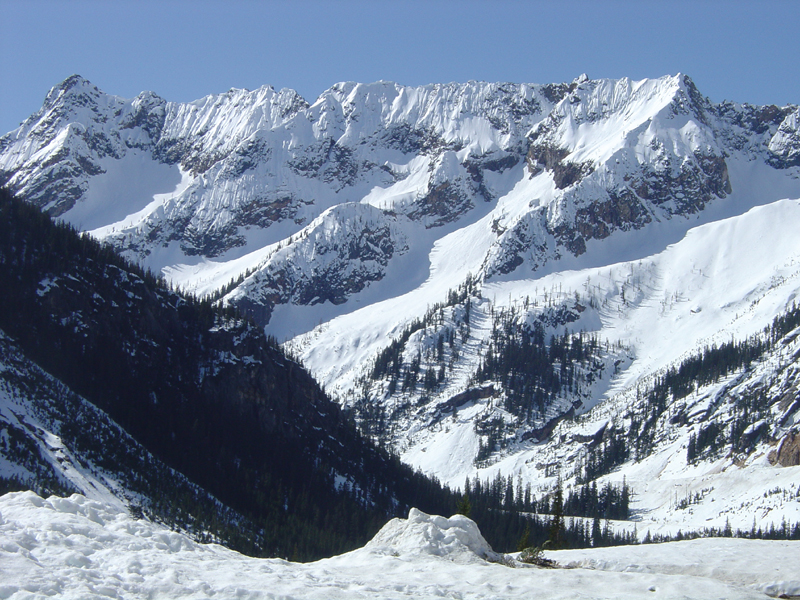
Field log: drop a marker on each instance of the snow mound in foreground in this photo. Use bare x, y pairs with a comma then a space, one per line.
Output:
457, 538
74, 509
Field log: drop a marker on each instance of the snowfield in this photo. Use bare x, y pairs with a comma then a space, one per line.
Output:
80, 548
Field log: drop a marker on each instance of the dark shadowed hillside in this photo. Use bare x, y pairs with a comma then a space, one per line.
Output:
202, 389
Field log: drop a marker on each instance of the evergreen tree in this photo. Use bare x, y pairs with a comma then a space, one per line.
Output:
556, 531
597, 534
464, 507
525, 540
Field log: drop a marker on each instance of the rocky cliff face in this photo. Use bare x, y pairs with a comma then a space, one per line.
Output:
337, 255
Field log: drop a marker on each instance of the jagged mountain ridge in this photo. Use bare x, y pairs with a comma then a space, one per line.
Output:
241, 171
258, 145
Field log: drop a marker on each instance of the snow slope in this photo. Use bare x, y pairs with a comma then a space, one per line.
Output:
79, 548
722, 281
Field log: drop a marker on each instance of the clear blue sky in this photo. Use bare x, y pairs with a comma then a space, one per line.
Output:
183, 50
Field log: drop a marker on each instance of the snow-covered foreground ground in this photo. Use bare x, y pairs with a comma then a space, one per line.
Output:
79, 548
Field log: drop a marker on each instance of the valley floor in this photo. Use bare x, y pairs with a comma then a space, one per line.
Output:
80, 548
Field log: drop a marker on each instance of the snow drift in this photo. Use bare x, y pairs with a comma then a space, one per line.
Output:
75, 548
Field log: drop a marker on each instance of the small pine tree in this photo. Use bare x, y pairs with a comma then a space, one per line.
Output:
557, 521
525, 540
464, 507
597, 533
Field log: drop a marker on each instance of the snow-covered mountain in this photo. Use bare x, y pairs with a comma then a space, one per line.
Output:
493, 278
240, 176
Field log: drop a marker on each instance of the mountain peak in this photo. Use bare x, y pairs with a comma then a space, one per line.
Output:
73, 81
72, 85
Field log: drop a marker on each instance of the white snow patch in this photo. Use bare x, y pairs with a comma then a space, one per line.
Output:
75, 548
